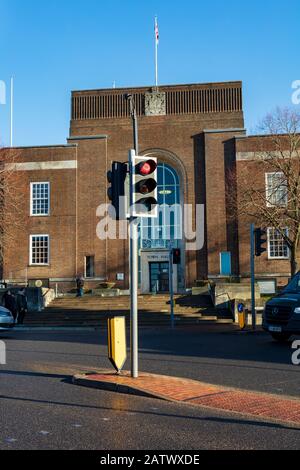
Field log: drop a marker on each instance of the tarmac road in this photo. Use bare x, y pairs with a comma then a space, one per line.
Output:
41, 409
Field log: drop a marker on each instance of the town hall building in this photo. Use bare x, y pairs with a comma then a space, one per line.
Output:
196, 132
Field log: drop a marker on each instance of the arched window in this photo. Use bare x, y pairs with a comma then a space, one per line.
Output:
157, 233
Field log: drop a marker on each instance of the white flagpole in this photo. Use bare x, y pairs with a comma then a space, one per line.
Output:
11, 110
156, 52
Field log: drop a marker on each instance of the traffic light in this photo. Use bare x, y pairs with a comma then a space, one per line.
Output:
260, 241
145, 187
117, 191
176, 256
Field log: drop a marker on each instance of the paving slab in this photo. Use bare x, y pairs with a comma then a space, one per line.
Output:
260, 405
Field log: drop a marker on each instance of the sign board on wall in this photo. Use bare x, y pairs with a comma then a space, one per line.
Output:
267, 286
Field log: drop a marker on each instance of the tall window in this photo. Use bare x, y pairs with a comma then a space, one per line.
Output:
157, 233
277, 247
40, 199
39, 250
276, 189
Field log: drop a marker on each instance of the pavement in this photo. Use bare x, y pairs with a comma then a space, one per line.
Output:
192, 392
41, 408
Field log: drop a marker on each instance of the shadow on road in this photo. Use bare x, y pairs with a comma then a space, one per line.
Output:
228, 420
222, 342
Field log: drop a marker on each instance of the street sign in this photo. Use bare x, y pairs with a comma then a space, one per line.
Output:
117, 348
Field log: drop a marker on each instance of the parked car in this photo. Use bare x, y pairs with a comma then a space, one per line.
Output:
282, 313
6, 319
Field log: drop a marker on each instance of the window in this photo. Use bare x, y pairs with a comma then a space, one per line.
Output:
39, 250
157, 233
277, 247
89, 267
276, 189
40, 199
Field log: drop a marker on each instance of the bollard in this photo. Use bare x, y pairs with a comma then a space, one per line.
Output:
117, 349
242, 316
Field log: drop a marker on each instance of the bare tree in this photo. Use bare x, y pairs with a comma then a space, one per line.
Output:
272, 200
11, 197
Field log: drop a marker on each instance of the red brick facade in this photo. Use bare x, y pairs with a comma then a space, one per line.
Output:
199, 134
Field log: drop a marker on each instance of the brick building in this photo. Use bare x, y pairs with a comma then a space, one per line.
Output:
195, 131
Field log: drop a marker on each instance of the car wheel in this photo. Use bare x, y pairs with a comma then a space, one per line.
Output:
281, 337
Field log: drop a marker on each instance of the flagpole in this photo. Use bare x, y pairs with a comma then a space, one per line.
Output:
156, 63
156, 52
11, 110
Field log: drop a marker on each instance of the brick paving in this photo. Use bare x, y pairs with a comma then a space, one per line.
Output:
266, 406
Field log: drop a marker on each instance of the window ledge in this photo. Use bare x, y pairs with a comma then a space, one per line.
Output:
39, 266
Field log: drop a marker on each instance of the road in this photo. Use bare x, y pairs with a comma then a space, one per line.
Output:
41, 409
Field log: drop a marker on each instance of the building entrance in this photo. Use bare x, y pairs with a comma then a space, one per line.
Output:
159, 277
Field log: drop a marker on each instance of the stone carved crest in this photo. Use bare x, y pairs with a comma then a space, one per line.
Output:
155, 104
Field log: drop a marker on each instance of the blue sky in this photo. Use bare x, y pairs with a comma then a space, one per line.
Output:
53, 47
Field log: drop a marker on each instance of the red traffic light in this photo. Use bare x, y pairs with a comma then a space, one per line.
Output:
146, 168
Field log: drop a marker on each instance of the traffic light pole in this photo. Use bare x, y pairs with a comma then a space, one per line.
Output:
133, 254
171, 287
133, 251
252, 263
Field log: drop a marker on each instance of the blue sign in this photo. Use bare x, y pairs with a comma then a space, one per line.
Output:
241, 308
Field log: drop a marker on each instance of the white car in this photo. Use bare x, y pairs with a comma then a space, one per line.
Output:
6, 319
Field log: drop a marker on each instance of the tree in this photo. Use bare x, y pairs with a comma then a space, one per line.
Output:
272, 200
11, 199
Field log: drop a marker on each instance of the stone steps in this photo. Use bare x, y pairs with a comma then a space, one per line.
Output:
153, 310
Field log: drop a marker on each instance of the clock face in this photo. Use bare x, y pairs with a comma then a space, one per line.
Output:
155, 104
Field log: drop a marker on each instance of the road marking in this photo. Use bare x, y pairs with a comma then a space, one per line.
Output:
77, 426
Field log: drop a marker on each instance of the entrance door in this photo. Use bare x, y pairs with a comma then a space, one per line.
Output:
159, 277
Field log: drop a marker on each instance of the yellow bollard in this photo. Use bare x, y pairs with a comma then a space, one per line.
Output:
117, 348
242, 316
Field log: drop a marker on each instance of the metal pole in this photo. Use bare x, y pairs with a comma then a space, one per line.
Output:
171, 287
134, 122
133, 278
133, 235
252, 262
156, 52
156, 63
11, 111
